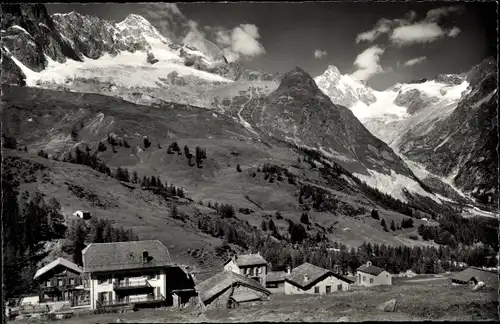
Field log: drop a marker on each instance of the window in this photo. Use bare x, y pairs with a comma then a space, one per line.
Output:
339, 287
371, 280
60, 282
316, 290
364, 278
72, 281
49, 283
359, 278
328, 289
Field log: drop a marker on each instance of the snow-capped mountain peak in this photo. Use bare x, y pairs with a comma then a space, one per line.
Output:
344, 90
136, 26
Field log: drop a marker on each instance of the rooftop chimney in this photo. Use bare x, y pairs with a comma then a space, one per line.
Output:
306, 278
369, 263
145, 257
288, 270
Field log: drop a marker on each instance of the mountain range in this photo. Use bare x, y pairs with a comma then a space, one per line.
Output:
71, 80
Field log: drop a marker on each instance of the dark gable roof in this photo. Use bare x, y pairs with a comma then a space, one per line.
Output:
216, 284
370, 269
124, 255
246, 260
315, 274
490, 278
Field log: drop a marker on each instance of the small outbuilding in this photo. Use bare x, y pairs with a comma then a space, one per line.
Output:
474, 275
229, 289
83, 214
370, 275
275, 280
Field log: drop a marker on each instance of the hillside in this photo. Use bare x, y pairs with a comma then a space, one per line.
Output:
49, 123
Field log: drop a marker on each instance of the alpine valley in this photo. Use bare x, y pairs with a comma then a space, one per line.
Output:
178, 144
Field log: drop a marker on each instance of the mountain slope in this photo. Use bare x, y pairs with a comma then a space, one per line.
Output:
429, 123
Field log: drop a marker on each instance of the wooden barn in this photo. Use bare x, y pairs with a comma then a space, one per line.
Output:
228, 289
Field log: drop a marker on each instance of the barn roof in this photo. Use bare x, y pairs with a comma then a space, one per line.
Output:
59, 261
223, 280
248, 260
313, 273
124, 255
490, 278
370, 269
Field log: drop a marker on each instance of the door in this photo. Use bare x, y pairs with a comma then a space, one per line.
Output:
328, 289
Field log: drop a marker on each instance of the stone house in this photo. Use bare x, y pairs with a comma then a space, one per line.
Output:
310, 279
369, 275
251, 265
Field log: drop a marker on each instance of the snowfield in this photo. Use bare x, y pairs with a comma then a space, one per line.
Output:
394, 184
126, 69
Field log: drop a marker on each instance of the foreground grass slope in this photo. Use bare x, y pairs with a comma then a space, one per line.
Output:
413, 303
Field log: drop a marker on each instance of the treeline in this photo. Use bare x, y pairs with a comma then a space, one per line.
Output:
29, 221
332, 170
80, 233
90, 159
454, 230
274, 172
200, 154
224, 210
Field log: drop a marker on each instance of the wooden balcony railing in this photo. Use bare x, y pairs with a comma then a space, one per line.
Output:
136, 284
131, 300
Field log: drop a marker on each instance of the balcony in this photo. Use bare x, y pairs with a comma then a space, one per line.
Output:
132, 285
142, 301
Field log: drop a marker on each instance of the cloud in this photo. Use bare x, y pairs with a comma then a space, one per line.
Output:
423, 32
244, 41
407, 31
318, 54
240, 42
381, 27
454, 32
368, 63
415, 61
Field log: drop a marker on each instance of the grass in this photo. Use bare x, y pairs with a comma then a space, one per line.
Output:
436, 300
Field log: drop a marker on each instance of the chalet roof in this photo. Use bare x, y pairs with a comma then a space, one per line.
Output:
59, 261
275, 276
490, 278
223, 280
124, 256
370, 269
245, 260
246, 297
313, 273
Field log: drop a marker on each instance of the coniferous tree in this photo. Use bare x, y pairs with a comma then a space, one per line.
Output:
263, 225
238, 168
147, 142
374, 214
393, 226
384, 225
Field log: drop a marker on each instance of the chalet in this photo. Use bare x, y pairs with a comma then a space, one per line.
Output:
275, 280
134, 274
473, 275
310, 279
60, 280
229, 289
83, 214
251, 265
370, 275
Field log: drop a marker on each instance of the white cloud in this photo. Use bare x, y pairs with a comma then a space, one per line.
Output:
408, 31
415, 61
240, 42
244, 41
454, 32
423, 32
368, 63
318, 54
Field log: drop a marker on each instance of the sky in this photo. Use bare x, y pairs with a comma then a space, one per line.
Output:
379, 43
